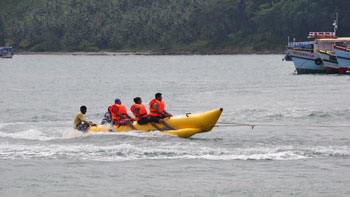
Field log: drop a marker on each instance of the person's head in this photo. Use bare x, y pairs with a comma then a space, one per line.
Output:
83, 109
159, 96
117, 101
137, 100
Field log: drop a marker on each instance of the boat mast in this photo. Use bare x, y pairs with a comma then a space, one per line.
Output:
335, 24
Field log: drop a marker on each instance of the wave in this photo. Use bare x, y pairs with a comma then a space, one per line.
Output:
166, 150
31, 134
3, 125
319, 114
73, 133
301, 116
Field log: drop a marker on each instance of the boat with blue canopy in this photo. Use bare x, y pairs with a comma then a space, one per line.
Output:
6, 52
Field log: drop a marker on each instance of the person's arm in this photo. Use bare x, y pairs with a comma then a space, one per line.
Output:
121, 116
127, 115
82, 119
166, 114
137, 112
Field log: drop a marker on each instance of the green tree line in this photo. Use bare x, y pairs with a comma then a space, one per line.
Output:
198, 26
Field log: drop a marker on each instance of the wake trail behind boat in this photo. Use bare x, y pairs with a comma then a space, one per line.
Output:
71, 133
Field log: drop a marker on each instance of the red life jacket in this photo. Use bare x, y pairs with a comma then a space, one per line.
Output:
152, 111
142, 111
116, 108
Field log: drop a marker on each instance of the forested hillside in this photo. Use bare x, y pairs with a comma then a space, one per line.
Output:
169, 26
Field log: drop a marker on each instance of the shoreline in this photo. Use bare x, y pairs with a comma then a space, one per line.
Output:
99, 53
107, 53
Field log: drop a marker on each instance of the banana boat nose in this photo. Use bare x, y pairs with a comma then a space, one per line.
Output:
209, 119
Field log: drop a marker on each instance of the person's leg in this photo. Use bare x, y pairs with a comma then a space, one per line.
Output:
162, 121
86, 127
155, 126
82, 127
112, 124
79, 127
143, 121
129, 123
153, 120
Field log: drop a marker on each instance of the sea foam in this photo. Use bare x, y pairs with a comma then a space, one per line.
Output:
30, 134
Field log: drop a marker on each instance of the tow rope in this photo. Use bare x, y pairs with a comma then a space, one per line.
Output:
238, 124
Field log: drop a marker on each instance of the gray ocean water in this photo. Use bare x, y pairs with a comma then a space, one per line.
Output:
300, 145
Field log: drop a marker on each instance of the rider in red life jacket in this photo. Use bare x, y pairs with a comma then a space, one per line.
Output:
157, 111
119, 115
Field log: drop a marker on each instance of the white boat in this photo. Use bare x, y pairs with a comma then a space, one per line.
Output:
316, 56
304, 58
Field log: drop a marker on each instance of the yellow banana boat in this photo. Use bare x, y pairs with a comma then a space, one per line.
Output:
188, 124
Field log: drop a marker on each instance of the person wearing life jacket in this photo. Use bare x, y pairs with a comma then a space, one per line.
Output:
107, 117
157, 111
119, 115
80, 123
140, 113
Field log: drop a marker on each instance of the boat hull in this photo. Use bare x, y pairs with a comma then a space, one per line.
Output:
329, 61
343, 57
309, 71
188, 125
6, 56
305, 63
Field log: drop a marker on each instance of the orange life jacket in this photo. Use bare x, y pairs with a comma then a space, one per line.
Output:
152, 111
116, 108
142, 111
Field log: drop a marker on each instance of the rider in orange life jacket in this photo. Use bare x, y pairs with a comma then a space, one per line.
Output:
140, 113
157, 111
120, 116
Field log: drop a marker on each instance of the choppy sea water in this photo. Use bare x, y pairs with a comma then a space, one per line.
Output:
300, 145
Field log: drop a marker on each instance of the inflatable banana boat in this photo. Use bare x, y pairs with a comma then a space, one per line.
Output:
188, 124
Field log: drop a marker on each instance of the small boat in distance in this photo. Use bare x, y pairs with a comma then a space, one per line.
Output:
6, 52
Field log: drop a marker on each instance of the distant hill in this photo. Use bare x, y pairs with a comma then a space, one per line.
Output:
168, 26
